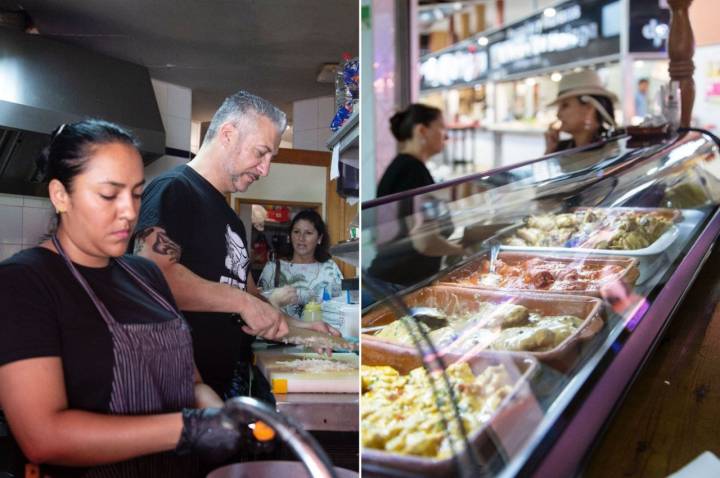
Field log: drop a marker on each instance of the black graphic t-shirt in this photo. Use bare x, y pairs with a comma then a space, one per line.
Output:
196, 216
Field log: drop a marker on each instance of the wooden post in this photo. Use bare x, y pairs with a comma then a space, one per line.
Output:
681, 48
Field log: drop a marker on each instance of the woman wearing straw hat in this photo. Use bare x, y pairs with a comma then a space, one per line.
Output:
585, 111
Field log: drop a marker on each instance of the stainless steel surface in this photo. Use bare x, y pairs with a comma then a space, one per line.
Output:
321, 411
44, 83
270, 469
246, 410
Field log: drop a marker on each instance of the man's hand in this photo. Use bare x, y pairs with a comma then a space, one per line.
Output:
282, 296
318, 326
262, 319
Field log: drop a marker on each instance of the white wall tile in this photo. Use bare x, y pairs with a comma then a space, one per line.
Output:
179, 101
305, 139
7, 250
35, 224
160, 88
10, 200
10, 225
36, 202
326, 111
195, 130
305, 113
177, 132
323, 137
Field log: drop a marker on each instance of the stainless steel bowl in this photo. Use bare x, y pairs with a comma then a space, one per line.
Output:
271, 469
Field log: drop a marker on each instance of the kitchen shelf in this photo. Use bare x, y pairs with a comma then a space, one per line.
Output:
348, 136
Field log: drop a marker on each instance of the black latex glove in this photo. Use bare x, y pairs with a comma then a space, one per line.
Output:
208, 433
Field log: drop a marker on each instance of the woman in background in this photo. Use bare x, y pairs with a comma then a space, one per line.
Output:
424, 220
420, 131
307, 271
585, 111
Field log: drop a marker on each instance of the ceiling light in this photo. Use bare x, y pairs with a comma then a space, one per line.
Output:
556, 77
482, 41
549, 12
457, 6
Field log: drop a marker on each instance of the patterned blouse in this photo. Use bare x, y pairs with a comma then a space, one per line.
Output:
308, 279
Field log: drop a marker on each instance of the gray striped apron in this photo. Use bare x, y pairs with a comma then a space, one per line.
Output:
153, 372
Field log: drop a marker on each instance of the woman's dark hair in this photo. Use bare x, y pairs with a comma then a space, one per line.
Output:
403, 122
71, 146
322, 253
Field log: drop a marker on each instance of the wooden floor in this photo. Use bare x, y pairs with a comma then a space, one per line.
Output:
672, 411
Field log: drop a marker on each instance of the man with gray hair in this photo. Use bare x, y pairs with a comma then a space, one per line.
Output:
187, 228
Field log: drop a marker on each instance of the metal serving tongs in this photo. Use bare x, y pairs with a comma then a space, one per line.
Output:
430, 316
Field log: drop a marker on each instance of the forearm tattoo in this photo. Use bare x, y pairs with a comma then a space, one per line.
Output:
140, 240
166, 247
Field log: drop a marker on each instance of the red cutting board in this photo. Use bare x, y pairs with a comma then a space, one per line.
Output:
288, 379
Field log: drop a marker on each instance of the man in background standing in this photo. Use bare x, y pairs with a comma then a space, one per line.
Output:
641, 98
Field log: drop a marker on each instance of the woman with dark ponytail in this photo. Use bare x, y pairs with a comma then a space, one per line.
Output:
420, 131
96, 363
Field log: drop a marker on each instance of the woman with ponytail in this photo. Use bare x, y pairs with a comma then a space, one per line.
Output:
96, 363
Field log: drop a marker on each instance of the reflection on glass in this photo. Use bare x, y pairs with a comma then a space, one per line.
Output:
586, 241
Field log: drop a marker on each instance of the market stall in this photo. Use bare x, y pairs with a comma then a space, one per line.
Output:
605, 241
496, 84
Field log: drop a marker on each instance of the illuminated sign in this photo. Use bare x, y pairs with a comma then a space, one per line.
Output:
649, 26
557, 36
454, 67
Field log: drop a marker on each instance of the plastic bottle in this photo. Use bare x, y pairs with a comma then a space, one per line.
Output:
312, 312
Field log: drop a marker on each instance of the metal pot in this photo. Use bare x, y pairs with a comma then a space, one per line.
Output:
271, 469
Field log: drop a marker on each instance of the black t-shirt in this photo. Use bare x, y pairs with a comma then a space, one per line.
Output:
47, 313
398, 262
196, 216
405, 172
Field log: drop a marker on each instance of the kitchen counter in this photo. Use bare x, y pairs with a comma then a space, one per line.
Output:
337, 412
321, 411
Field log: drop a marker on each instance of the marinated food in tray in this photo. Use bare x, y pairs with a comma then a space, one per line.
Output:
504, 326
404, 414
619, 229
546, 274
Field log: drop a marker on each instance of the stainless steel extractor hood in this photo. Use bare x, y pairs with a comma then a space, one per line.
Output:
44, 83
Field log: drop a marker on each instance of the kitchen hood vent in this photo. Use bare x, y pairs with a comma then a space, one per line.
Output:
44, 83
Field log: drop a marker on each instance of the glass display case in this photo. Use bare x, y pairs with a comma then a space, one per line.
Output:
506, 313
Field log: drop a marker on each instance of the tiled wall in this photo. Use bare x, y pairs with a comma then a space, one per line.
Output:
23, 221
311, 122
175, 104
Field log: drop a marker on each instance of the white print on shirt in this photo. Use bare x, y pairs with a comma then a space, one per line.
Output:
236, 261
